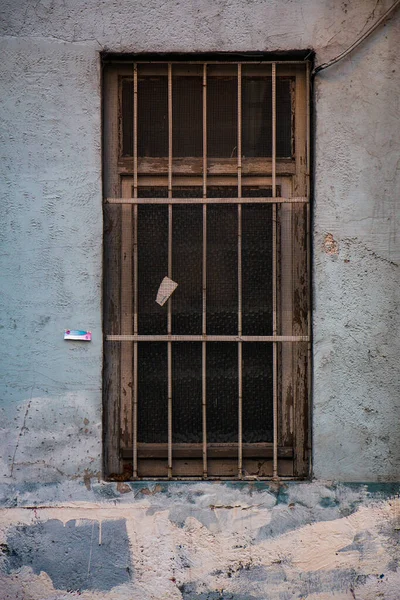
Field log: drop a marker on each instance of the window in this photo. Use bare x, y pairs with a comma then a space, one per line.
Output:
206, 184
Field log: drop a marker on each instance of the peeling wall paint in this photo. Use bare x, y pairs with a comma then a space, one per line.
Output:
209, 541
318, 540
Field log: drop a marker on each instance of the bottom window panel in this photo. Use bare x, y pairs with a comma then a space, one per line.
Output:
212, 451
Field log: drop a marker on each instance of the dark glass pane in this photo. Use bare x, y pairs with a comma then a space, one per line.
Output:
222, 260
187, 393
127, 117
257, 267
284, 118
257, 392
257, 117
152, 392
187, 244
222, 117
152, 192
152, 267
187, 117
153, 116
112, 268
222, 392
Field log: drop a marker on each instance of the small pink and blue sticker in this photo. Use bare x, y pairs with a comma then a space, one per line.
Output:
77, 334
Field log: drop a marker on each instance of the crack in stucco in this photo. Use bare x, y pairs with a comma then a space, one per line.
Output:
21, 432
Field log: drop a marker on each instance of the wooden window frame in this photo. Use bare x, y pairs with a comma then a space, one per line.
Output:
288, 455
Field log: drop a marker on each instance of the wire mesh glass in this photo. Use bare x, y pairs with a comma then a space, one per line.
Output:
187, 424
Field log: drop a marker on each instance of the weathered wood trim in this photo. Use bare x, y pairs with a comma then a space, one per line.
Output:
207, 338
112, 315
194, 166
300, 283
126, 284
258, 450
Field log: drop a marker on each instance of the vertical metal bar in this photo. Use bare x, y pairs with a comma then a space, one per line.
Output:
308, 150
135, 274
274, 284
240, 348
204, 283
169, 325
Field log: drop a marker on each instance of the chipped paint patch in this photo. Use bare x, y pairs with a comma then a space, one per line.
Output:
330, 245
76, 555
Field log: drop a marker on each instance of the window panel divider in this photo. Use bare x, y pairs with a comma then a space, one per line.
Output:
208, 338
240, 200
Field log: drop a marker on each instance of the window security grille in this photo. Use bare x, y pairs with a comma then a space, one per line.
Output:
206, 182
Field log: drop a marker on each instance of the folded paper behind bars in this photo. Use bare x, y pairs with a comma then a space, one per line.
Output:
166, 289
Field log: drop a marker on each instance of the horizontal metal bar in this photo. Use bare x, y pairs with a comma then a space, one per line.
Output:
251, 200
207, 62
207, 338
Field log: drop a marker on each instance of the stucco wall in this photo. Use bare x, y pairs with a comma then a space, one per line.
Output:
264, 541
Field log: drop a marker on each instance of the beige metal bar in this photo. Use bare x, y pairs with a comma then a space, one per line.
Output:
274, 283
308, 131
169, 326
212, 62
239, 250
309, 344
135, 275
204, 131
308, 167
204, 283
248, 200
207, 338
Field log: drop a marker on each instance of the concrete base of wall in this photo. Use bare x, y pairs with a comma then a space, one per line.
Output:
205, 542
